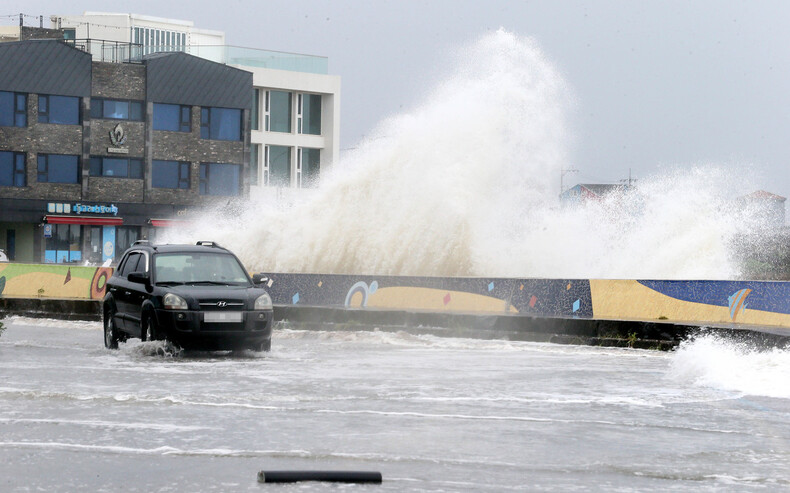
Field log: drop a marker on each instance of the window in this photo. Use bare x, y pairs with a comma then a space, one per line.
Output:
64, 110
13, 109
116, 167
278, 160
169, 174
64, 245
278, 111
219, 179
172, 117
116, 109
125, 236
220, 123
308, 167
308, 116
255, 151
12, 169
58, 168
131, 264
256, 109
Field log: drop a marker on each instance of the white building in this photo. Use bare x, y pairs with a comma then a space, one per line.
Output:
296, 103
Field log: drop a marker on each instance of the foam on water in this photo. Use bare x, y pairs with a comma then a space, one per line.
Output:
715, 362
466, 183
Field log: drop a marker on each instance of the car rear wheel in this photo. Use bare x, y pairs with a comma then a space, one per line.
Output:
110, 331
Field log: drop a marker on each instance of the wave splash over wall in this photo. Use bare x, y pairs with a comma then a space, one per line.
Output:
467, 184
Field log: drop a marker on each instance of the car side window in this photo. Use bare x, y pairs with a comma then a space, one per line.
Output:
131, 263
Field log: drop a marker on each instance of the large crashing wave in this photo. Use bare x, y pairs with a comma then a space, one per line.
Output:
466, 184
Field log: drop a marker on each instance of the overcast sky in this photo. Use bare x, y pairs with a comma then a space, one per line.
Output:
657, 83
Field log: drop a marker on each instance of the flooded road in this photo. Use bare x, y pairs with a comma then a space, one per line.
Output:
431, 414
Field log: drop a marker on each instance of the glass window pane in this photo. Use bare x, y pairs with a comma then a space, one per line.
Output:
6, 108
310, 167
311, 114
223, 179
136, 111
279, 166
204, 123
118, 167
183, 177
186, 119
95, 165
280, 111
96, 108
225, 124
166, 117
62, 168
135, 168
255, 116
6, 168
118, 110
65, 110
164, 174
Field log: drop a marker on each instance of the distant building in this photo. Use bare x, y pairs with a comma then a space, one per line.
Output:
295, 116
95, 155
591, 192
117, 125
768, 208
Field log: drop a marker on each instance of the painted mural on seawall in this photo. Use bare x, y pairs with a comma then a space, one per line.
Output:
748, 303
53, 281
752, 303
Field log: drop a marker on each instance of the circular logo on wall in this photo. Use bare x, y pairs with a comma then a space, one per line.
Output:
108, 249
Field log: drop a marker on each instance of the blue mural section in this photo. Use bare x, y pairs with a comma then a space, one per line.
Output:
768, 296
537, 297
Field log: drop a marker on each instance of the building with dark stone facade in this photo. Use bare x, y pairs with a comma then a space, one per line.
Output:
95, 155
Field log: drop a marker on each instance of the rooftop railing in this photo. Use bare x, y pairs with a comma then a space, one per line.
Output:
125, 52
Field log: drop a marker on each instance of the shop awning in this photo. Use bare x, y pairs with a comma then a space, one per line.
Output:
168, 223
95, 221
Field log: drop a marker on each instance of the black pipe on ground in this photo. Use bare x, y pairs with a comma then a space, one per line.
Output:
327, 476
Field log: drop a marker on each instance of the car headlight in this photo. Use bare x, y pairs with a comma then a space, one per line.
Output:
174, 302
263, 302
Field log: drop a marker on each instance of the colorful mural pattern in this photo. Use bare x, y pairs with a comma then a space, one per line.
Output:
730, 303
53, 281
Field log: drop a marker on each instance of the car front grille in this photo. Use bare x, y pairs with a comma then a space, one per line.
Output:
210, 305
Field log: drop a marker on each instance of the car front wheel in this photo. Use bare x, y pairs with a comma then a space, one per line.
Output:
150, 329
110, 331
264, 346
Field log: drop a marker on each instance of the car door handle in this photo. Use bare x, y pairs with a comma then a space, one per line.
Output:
127, 293
112, 290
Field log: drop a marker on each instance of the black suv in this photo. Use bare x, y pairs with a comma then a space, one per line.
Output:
197, 296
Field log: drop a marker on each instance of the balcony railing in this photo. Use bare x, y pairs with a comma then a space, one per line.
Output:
125, 52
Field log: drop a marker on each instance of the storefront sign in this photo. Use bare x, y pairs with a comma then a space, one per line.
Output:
47, 231
96, 209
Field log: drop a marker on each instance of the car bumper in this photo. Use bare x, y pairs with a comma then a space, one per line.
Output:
190, 329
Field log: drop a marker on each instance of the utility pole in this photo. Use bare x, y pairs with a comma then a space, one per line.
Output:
564, 172
630, 181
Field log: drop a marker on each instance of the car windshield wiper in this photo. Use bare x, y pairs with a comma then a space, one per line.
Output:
171, 283
212, 283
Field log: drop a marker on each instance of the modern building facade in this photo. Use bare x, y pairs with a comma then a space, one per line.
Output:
295, 108
95, 155
122, 124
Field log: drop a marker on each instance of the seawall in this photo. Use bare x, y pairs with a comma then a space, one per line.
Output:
635, 313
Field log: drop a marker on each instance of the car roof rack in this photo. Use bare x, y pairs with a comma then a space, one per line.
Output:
208, 243
141, 242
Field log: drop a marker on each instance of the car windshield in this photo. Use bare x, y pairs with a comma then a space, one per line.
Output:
197, 268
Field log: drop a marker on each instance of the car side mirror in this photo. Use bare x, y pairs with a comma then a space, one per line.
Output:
139, 277
259, 278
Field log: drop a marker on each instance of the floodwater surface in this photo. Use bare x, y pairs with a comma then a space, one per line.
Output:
431, 414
